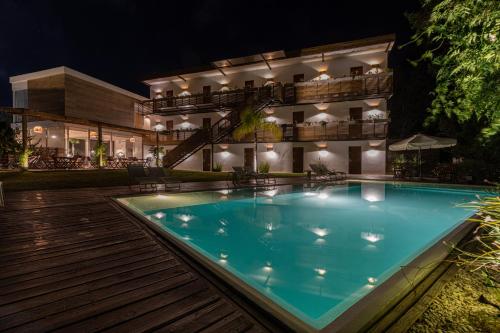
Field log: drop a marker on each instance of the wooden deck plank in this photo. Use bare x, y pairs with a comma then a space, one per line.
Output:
200, 319
72, 262
75, 266
37, 282
70, 310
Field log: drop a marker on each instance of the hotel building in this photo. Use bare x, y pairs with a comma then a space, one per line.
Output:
330, 103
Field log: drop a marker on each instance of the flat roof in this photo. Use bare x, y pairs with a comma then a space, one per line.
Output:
66, 70
267, 59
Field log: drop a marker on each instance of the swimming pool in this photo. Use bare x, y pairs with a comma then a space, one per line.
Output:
312, 253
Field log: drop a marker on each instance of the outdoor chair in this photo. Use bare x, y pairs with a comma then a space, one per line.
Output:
321, 173
160, 175
240, 175
339, 175
137, 176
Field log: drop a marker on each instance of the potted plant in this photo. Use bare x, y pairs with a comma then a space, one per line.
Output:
217, 167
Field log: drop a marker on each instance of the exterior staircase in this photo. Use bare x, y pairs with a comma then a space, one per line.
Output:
256, 99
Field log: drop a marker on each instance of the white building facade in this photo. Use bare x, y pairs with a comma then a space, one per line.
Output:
333, 108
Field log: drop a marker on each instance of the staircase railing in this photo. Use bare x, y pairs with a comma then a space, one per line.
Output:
256, 99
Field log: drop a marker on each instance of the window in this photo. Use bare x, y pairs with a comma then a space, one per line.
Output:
358, 70
298, 78
249, 84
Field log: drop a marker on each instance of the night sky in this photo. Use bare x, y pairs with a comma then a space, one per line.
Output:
124, 42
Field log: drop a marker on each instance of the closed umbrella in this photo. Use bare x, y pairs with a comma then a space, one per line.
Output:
420, 142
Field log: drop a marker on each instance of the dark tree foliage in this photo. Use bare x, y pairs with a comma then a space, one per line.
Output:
8, 143
454, 86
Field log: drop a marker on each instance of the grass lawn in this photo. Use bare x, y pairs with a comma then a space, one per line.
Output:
41, 180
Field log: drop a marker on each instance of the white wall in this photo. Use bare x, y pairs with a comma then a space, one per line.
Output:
335, 156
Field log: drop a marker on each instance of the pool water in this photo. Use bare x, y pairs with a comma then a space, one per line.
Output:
314, 253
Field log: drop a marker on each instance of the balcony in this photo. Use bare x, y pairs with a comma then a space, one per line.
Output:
169, 137
340, 89
334, 90
332, 131
213, 102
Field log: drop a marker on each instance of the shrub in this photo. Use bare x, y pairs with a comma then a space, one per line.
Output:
486, 256
264, 167
217, 167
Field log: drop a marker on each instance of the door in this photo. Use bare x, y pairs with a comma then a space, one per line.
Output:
169, 95
207, 90
356, 71
248, 160
355, 160
206, 159
249, 84
355, 125
298, 78
207, 123
298, 159
169, 127
298, 118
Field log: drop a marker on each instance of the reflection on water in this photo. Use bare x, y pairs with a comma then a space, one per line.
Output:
314, 252
373, 192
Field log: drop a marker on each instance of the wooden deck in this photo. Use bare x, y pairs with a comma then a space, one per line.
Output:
71, 261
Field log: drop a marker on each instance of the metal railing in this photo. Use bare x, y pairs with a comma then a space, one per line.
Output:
333, 131
338, 89
216, 101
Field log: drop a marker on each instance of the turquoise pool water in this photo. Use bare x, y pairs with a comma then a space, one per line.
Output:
314, 253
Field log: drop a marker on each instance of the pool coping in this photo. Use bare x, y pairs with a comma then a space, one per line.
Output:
358, 317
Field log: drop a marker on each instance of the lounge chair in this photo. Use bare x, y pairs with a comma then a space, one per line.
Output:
339, 175
319, 172
161, 176
137, 176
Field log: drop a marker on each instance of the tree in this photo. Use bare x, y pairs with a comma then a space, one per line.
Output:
8, 142
462, 43
251, 123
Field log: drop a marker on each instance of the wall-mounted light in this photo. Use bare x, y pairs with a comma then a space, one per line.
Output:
224, 88
132, 139
269, 111
321, 106
373, 102
158, 126
184, 117
323, 75
93, 135
269, 82
53, 136
375, 69
184, 93
269, 147
323, 152
223, 146
38, 129
322, 145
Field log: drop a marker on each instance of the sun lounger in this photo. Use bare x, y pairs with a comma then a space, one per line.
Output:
161, 176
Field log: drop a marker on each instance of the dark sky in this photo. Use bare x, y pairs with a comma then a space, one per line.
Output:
125, 41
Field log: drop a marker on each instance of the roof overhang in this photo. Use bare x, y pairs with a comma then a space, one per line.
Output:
20, 79
270, 60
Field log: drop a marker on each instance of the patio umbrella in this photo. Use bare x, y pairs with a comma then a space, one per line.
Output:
420, 142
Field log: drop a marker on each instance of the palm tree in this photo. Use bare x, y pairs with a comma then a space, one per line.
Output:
251, 122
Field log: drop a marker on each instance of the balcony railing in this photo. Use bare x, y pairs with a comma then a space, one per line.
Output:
332, 131
339, 89
168, 137
216, 101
